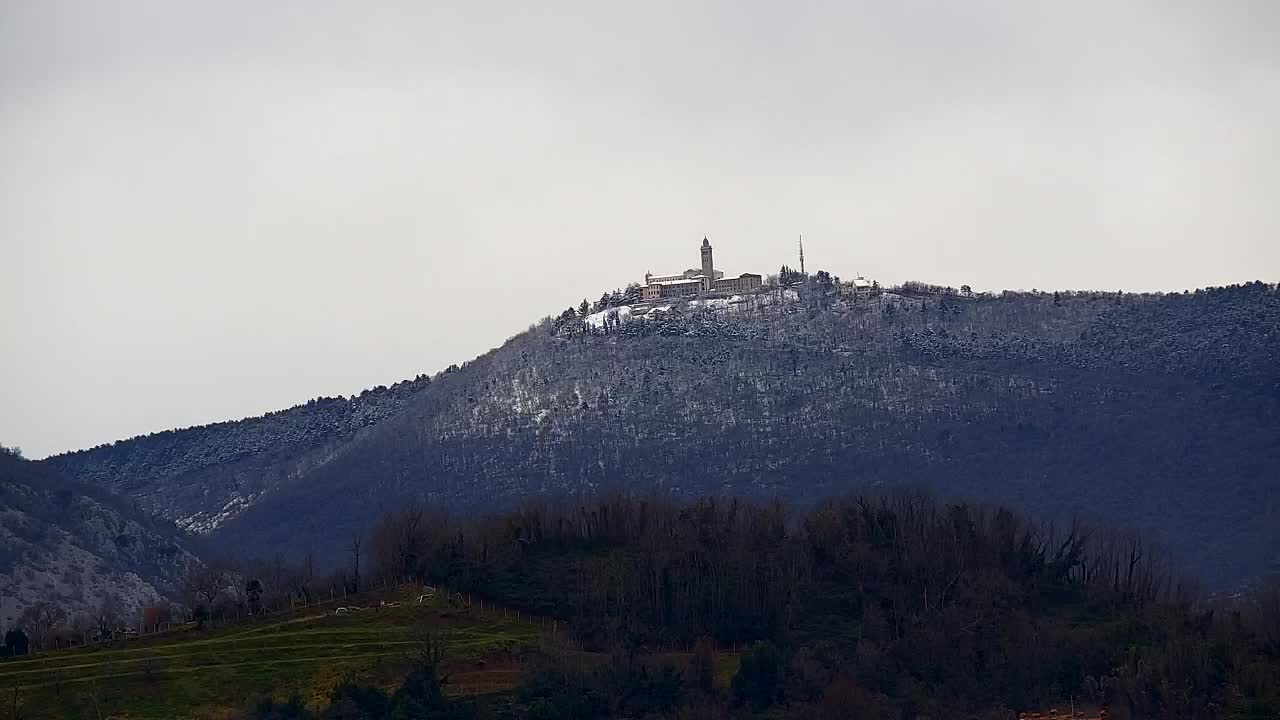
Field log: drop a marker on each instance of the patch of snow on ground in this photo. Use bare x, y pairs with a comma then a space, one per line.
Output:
628, 312
205, 523
597, 320
719, 303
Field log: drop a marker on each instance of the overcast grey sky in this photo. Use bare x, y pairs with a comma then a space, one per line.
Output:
209, 210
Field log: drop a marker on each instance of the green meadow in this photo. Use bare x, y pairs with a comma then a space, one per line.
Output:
219, 673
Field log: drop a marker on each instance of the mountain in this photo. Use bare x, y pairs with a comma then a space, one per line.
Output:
1159, 412
79, 547
199, 476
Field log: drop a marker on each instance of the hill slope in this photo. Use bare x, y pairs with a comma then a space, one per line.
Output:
76, 547
1161, 412
222, 673
199, 476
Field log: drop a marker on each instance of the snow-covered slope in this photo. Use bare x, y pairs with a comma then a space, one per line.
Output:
1159, 412
1077, 405
201, 476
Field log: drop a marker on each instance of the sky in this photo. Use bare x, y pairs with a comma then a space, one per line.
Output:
211, 210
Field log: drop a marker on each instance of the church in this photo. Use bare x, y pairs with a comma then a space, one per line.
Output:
698, 281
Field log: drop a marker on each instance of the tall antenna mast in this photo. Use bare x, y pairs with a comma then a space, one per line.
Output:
802, 253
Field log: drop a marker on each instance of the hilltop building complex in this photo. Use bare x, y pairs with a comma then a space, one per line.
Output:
698, 281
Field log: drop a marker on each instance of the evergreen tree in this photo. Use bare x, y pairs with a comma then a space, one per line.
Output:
253, 594
350, 701
16, 643
759, 676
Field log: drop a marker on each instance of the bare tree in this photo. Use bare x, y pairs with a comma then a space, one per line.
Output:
277, 576
82, 625
40, 620
106, 617
203, 584
430, 650
309, 572
401, 540
356, 546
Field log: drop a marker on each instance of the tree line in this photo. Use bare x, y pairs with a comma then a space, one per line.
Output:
881, 605
912, 606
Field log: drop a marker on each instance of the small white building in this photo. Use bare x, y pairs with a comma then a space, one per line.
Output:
859, 286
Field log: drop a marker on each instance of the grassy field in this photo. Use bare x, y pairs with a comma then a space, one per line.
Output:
219, 673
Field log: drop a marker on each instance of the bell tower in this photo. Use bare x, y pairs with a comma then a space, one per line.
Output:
708, 266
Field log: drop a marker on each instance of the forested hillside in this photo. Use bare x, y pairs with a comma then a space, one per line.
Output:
73, 550
882, 605
877, 606
1160, 412
199, 476
1155, 412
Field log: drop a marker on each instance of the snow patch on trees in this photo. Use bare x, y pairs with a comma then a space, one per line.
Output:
597, 320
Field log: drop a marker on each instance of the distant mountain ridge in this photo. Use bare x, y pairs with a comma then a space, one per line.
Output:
1155, 411
198, 476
